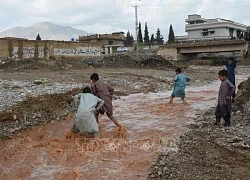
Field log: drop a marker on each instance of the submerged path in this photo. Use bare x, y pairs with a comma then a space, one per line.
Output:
51, 152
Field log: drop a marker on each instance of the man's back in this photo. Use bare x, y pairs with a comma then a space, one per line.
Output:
102, 90
86, 105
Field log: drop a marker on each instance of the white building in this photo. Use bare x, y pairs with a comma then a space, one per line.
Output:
199, 28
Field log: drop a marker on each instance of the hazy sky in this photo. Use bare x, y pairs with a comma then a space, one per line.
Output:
101, 16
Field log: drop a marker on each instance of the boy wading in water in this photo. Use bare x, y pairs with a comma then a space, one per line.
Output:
230, 67
224, 106
179, 86
87, 104
104, 92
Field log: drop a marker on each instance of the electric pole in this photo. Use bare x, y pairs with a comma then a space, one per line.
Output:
136, 25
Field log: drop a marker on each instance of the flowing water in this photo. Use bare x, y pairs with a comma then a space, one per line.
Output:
52, 152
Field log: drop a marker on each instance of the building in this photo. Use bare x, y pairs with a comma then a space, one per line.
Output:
247, 34
199, 28
108, 42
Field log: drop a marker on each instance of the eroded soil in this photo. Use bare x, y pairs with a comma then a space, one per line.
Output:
51, 151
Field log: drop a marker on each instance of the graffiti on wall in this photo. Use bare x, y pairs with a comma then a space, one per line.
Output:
41, 52
29, 52
81, 51
15, 52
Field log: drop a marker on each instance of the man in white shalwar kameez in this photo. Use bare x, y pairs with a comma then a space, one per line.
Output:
87, 104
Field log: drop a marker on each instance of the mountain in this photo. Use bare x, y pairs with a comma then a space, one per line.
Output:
47, 31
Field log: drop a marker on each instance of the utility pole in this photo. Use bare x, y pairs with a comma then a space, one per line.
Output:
136, 25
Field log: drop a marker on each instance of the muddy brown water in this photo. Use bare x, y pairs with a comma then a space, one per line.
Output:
51, 151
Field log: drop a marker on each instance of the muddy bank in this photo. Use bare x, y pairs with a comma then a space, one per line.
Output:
208, 151
35, 111
14, 91
242, 102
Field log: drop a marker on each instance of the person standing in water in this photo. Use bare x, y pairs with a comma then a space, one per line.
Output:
105, 92
179, 86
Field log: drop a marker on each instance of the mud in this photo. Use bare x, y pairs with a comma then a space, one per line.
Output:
210, 151
151, 126
35, 111
242, 103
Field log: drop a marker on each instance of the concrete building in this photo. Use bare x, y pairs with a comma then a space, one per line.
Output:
199, 28
108, 42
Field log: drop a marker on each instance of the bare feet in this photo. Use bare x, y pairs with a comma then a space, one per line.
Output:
114, 120
171, 100
185, 102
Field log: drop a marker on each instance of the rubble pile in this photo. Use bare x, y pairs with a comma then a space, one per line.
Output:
33, 64
125, 60
242, 101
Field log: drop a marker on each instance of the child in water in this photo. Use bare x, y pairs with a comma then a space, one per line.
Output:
179, 86
104, 92
87, 104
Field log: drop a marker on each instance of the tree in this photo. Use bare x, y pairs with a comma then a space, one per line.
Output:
171, 38
140, 39
159, 37
152, 39
38, 38
132, 39
129, 39
146, 36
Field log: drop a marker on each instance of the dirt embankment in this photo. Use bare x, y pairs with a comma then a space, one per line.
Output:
35, 111
242, 102
208, 151
112, 61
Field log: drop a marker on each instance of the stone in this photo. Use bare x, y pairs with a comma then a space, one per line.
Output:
159, 173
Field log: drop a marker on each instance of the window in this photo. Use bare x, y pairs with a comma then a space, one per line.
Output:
205, 33
205, 30
111, 42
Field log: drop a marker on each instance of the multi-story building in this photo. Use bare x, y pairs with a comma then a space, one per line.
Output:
199, 28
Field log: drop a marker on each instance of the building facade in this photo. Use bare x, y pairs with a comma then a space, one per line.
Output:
199, 28
108, 42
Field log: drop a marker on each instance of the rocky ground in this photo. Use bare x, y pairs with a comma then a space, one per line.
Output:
205, 152
208, 151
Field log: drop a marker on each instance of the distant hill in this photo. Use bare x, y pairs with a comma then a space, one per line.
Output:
47, 31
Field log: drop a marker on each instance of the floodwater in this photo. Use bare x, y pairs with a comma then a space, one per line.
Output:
52, 152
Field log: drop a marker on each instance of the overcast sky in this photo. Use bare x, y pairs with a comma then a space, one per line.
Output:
101, 16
